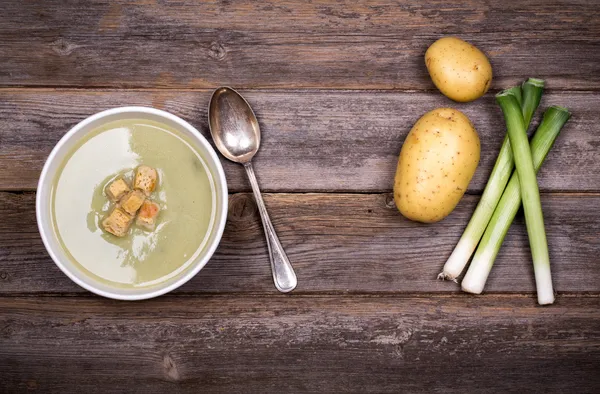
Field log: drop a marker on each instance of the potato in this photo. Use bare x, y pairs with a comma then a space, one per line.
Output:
458, 69
436, 164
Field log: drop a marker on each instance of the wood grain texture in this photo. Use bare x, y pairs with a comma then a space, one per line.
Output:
318, 44
312, 140
368, 314
338, 243
300, 344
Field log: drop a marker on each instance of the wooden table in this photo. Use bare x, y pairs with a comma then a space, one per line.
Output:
336, 86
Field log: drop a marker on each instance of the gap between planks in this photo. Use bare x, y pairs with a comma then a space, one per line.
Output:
565, 193
323, 295
250, 89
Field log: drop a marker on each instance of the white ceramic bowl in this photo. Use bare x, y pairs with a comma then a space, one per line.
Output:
49, 172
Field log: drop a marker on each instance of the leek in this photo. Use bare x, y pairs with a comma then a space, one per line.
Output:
534, 219
477, 274
528, 96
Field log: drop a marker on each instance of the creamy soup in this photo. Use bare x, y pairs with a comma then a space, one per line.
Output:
185, 193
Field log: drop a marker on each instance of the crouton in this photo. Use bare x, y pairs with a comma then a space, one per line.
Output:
145, 179
117, 189
118, 222
132, 201
147, 215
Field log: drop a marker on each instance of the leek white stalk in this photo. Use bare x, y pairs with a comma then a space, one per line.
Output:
534, 218
543, 139
528, 96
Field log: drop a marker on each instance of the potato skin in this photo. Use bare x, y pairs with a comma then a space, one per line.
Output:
436, 164
458, 69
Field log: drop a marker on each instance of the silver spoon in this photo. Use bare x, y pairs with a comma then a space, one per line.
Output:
236, 133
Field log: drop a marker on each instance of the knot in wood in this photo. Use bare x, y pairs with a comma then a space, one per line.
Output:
217, 51
241, 207
170, 368
7, 331
63, 47
389, 201
3, 275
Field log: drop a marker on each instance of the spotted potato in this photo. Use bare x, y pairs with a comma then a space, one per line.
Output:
458, 69
436, 164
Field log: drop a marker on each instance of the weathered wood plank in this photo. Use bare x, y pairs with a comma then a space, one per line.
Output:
300, 344
337, 243
324, 44
350, 139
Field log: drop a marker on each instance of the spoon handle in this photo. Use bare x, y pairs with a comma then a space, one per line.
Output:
283, 273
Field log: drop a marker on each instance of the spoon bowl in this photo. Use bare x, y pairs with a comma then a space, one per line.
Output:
233, 125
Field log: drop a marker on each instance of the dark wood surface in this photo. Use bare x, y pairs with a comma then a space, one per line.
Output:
288, 344
339, 243
336, 86
327, 44
351, 139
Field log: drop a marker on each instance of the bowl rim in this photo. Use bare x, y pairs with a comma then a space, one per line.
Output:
153, 291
